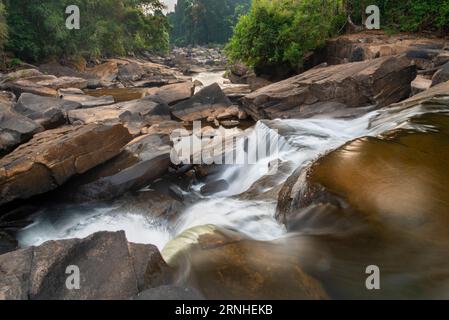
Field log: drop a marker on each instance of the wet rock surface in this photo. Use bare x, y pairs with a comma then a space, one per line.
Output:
378, 199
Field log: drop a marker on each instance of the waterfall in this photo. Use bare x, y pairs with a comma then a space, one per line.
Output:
299, 142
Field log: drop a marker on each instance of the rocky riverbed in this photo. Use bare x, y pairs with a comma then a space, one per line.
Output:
357, 176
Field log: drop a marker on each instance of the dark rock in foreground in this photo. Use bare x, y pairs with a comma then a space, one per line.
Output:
110, 268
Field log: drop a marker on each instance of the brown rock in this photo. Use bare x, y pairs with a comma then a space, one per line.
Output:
52, 157
209, 101
143, 160
378, 82
110, 268
225, 265
173, 93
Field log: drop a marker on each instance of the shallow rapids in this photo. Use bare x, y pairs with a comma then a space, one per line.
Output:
300, 141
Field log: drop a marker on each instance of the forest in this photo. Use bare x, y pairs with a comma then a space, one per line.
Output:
258, 32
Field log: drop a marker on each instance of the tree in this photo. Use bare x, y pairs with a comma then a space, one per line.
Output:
3, 26
108, 28
199, 22
282, 32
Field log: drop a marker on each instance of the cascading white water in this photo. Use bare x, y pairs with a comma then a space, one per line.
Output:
300, 141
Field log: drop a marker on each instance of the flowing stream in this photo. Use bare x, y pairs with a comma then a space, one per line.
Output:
300, 141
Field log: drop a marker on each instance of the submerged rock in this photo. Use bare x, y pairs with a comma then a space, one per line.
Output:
379, 200
224, 265
110, 268
214, 187
50, 158
378, 82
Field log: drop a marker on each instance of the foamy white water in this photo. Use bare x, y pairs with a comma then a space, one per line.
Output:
82, 222
299, 141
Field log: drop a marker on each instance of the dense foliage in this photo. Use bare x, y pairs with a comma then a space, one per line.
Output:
406, 15
277, 32
3, 27
37, 28
199, 22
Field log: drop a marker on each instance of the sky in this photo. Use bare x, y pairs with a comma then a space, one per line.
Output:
170, 4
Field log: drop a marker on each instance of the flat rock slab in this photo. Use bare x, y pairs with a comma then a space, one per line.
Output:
52, 157
378, 82
110, 268
87, 101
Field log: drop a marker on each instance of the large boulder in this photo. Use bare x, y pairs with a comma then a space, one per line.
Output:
144, 159
210, 101
14, 127
49, 112
110, 268
173, 93
50, 158
378, 82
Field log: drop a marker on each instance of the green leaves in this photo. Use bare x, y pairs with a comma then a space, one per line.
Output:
282, 32
108, 28
205, 21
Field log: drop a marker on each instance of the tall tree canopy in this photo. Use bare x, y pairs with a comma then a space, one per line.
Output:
37, 28
198, 22
3, 26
